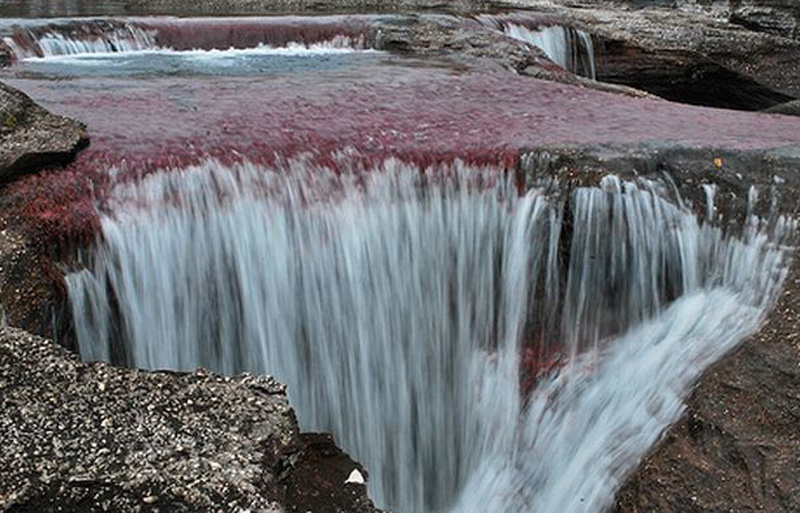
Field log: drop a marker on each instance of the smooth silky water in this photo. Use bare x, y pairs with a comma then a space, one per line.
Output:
397, 303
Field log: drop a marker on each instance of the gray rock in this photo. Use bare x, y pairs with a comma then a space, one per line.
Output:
691, 55
31, 137
789, 108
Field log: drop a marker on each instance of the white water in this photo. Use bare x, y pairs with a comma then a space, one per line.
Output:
396, 304
336, 46
572, 49
54, 43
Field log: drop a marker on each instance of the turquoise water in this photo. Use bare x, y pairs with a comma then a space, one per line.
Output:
150, 63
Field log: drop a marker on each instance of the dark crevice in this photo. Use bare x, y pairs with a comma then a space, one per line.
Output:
683, 76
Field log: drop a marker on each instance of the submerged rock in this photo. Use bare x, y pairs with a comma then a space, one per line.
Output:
31, 137
83, 437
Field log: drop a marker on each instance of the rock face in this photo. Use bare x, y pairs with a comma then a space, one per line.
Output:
737, 447
780, 17
90, 437
690, 56
31, 137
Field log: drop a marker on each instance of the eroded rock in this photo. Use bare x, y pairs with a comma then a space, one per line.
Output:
689, 55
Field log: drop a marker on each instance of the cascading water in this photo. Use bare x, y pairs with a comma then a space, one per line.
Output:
397, 305
570, 48
75, 37
51, 42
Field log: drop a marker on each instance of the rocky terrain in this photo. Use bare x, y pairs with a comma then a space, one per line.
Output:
90, 437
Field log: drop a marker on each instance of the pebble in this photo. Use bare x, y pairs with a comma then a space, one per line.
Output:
355, 477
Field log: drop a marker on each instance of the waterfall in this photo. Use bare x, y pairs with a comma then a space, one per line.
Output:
397, 304
51, 42
570, 48
76, 37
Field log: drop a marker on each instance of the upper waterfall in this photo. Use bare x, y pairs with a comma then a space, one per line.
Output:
397, 305
569, 47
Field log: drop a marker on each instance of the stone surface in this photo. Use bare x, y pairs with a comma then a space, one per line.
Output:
31, 137
81, 437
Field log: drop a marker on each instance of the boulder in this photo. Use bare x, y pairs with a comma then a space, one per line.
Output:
31, 137
85, 437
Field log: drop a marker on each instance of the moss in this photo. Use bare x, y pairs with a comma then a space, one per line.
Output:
10, 123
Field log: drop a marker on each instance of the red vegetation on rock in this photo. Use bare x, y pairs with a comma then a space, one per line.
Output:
57, 207
359, 118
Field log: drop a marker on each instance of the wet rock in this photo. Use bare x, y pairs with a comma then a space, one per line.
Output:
772, 172
32, 293
90, 437
31, 137
6, 55
457, 40
774, 16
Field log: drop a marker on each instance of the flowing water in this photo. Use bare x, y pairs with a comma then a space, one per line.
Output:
477, 348
570, 48
193, 63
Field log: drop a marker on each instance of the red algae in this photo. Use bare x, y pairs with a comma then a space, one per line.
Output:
57, 207
420, 115
387, 109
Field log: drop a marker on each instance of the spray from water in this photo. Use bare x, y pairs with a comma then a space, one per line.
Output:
397, 305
